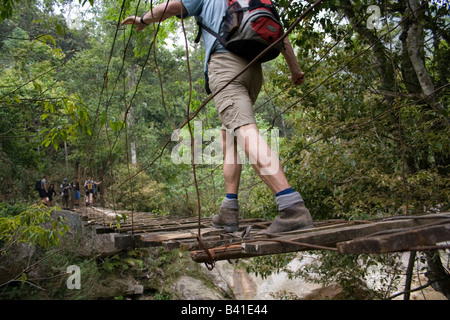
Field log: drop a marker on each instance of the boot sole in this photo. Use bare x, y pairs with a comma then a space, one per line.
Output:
233, 228
265, 231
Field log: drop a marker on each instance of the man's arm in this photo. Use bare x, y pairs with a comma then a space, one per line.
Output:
297, 76
159, 13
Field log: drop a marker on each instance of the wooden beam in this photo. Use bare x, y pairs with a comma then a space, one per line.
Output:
398, 241
103, 229
346, 237
221, 253
327, 238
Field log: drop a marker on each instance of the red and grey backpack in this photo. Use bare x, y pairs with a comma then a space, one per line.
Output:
248, 28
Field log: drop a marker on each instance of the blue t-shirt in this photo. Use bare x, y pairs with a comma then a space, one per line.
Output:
211, 13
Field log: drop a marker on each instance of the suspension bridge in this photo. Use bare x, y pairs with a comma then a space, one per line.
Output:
207, 244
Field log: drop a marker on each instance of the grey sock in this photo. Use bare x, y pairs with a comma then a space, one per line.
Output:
288, 200
230, 203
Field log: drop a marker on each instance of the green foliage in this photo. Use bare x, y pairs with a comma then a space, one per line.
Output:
6, 9
123, 263
35, 226
11, 210
359, 139
71, 120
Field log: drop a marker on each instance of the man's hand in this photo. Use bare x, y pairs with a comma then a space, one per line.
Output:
158, 14
136, 21
297, 78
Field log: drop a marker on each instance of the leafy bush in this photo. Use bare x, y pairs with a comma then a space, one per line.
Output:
10, 210
35, 225
134, 190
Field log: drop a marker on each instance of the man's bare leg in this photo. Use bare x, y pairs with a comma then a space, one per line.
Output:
232, 165
228, 218
293, 213
264, 161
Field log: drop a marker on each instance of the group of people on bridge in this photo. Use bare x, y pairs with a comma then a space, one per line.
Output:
70, 192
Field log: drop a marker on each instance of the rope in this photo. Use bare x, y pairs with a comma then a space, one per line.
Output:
202, 245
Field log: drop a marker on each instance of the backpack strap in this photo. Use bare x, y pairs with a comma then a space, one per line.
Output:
209, 30
199, 32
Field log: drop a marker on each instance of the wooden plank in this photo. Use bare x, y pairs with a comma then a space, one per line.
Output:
103, 229
348, 231
221, 253
398, 241
210, 240
328, 237
157, 227
225, 249
206, 230
228, 238
172, 240
182, 233
164, 225
266, 245
167, 236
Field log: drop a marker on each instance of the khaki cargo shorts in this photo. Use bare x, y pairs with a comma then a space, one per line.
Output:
234, 104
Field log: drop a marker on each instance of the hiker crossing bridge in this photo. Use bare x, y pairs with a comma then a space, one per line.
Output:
380, 235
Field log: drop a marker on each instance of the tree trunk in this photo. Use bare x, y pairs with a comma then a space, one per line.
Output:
66, 155
383, 63
130, 117
415, 47
102, 192
408, 72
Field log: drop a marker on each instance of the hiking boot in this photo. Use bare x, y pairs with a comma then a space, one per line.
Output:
227, 219
295, 217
